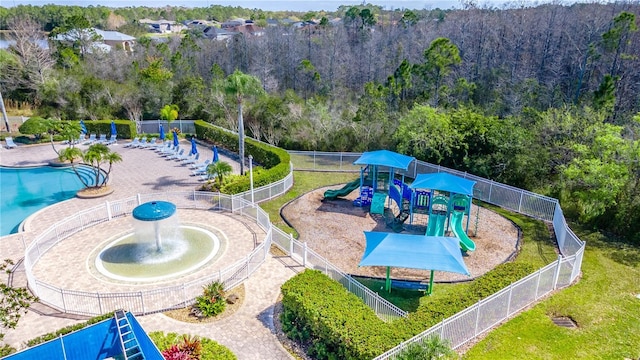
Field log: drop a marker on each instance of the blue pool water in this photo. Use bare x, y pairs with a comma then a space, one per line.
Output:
23, 191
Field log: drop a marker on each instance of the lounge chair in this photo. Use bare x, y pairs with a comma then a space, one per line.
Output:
183, 157
199, 165
201, 170
80, 139
191, 160
143, 143
9, 143
102, 139
112, 140
134, 143
171, 151
159, 148
149, 144
176, 156
91, 140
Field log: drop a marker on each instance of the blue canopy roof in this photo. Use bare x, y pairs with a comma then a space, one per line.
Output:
385, 158
413, 251
443, 182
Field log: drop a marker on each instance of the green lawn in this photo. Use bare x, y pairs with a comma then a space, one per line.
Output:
304, 181
603, 303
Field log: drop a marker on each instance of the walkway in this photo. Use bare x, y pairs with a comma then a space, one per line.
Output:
248, 333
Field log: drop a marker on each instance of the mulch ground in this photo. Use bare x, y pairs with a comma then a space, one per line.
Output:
334, 229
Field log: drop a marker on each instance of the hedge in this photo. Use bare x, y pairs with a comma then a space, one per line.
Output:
275, 161
338, 325
68, 329
126, 129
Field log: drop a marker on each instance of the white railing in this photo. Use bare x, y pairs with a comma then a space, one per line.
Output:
312, 260
148, 301
479, 318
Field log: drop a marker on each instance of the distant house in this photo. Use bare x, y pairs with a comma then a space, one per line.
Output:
215, 33
97, 40
163, 26
272, 22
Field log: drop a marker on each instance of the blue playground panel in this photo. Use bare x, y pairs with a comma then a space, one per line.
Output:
366, 195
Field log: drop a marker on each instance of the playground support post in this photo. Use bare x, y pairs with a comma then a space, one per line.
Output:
430, 289
387, 284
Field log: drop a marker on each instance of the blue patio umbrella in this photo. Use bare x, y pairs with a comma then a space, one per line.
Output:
161, 132
215, 154
194, 149
113, 128
83, 128
175, 139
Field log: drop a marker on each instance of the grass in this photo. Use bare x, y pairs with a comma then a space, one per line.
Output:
603, 304
304, 181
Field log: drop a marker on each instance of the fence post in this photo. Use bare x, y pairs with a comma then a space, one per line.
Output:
509, 300
248, 261
108, 210
490, 190
314, 159
557, 273
538, 283
304, 254
475, 333
64, 303
100, 303
520, 204
442, 330
139, 198
144, 311
340, 160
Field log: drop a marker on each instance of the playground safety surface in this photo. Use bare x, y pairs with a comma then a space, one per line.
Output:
334, 229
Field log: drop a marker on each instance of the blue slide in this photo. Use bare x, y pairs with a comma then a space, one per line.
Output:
456, 226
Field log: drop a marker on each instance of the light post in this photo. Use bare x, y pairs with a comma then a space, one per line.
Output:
251, 176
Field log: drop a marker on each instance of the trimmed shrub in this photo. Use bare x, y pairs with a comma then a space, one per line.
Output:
334, 322
273, 160
126, 129
68, 329
35, 126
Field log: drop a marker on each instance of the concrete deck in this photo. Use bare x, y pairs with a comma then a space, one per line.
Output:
248, 333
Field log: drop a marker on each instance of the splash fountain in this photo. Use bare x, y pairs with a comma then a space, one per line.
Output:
159, 247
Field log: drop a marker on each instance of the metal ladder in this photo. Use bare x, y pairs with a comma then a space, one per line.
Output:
128, 342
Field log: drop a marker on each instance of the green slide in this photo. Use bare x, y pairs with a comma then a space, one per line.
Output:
435, 227
346, 190
456, 226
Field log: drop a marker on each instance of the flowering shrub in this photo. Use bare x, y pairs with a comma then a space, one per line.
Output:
187, 349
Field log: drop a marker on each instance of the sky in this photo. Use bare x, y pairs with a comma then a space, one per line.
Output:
269, 5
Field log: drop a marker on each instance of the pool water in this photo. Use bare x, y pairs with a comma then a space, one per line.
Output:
23, 191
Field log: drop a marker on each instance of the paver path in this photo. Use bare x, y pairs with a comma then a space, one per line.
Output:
248, 333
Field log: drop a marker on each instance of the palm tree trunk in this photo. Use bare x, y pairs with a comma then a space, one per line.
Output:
241, 137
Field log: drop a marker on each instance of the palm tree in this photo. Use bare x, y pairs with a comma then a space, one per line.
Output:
94, 157
71, 154
240, 85
220, 170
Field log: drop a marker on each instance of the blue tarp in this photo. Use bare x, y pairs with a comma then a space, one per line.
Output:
414, 252
385, 158
443, 182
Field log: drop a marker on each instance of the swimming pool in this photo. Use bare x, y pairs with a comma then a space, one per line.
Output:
23, 191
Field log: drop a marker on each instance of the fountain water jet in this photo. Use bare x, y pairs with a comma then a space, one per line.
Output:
159, 247
155, 211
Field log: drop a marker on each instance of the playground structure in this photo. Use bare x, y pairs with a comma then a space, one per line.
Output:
426, 195
442, 198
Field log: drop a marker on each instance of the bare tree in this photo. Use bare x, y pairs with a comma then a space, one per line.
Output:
34, 61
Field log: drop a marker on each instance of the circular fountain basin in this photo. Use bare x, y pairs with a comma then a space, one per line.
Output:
128, 259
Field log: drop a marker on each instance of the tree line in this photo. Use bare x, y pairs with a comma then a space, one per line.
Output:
546, 98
